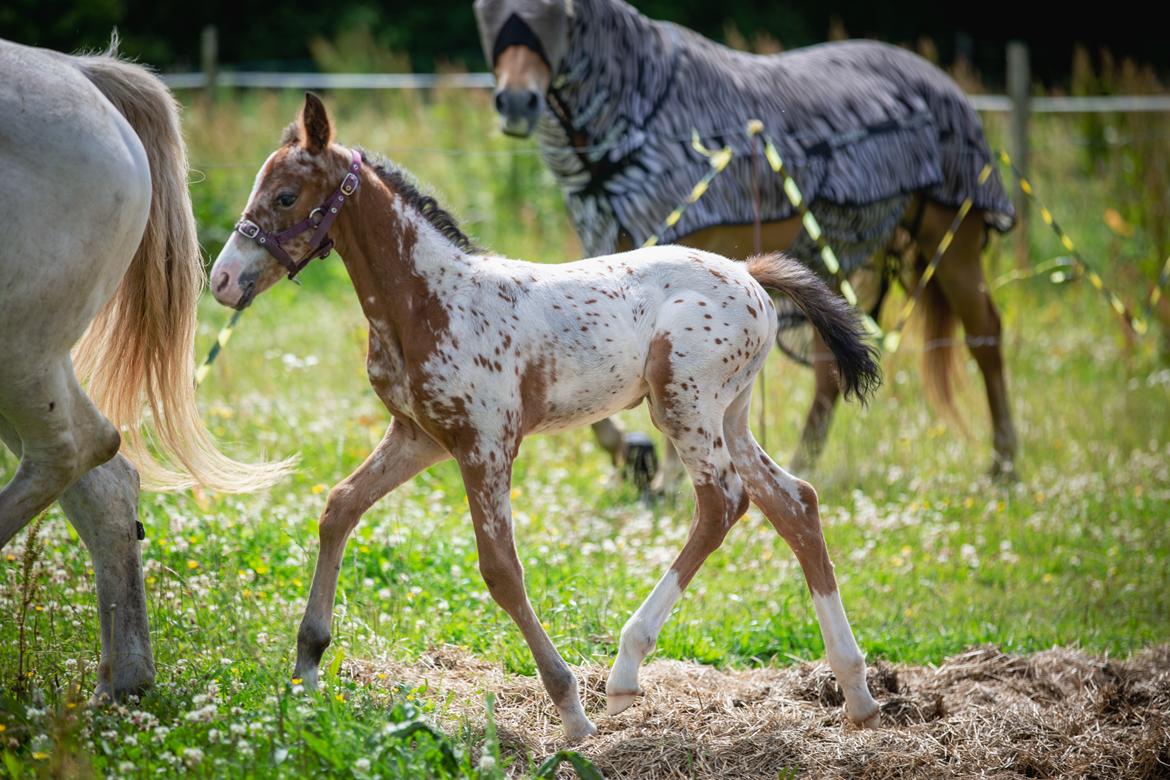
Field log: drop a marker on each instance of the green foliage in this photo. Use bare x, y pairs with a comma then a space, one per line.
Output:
256, 35
581, 765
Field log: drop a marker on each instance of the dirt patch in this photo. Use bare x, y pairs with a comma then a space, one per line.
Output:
1058, 713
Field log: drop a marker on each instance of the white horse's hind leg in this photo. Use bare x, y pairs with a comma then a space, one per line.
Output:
62, 436
103, 506
790, 505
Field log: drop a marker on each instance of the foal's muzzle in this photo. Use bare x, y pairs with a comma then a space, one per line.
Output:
519, 110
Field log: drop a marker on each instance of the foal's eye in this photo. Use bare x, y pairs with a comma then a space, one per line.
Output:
286, 199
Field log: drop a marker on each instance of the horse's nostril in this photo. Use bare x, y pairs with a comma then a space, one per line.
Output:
532, 100
222, 280
500, 102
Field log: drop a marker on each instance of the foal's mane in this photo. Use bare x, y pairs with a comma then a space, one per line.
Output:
402, 183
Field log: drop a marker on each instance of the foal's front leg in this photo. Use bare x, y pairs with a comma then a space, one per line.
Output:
403, 452
488, 487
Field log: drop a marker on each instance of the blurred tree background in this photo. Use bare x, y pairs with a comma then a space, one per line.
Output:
262, 35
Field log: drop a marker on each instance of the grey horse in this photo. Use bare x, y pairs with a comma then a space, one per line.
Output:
99, 276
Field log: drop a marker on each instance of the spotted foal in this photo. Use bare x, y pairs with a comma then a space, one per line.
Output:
471, 352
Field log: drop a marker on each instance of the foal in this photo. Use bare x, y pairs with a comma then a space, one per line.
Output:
471, 352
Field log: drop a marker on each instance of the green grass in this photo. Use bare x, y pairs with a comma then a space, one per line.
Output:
932, 556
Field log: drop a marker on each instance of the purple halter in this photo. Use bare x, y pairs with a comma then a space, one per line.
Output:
320, 218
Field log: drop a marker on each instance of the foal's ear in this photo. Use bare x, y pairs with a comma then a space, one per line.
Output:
316, 131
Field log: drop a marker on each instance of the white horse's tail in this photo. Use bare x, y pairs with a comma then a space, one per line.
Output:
138, 352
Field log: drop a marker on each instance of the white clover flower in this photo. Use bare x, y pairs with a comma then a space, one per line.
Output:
969, 555
362, 765
202, 715
192, 756
487, 762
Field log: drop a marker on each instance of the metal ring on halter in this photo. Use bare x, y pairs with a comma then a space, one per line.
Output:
319, 220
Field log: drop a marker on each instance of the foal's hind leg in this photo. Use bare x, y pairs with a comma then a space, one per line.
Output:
960, 274
790, 505
719, 501
695, 426
403, 452
62, 436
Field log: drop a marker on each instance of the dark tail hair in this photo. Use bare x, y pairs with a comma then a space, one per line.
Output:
834, 319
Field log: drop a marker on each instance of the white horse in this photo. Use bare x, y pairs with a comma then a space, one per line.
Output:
472, 352
99, 276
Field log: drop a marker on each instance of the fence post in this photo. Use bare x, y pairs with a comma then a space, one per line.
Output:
1019, 84
209, 58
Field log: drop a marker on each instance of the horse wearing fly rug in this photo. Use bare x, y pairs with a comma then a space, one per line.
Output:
880, 141
471, 353
100, 272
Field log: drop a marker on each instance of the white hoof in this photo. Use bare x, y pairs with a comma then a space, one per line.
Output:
579, 732
619, 702
871, 721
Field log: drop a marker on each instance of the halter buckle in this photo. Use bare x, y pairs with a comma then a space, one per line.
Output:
248, 229
349, 184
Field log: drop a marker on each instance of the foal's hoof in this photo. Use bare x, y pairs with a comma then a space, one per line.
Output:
580, 732
619, 702
870, 721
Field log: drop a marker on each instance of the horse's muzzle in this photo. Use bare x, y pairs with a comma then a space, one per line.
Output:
519, 110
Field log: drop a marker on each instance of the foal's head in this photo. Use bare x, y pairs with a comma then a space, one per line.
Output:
525, 42
290, 188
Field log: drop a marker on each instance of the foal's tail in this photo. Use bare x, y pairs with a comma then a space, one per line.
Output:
139, 349
833, 318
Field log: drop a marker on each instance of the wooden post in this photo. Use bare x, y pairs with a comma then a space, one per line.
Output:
1019, 84
209, 58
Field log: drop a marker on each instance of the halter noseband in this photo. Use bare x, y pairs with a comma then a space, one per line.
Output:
321, 218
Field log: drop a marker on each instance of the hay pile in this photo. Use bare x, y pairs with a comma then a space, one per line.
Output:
1058, 713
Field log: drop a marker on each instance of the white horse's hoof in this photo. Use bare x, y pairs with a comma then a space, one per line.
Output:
619, 702
579, 732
